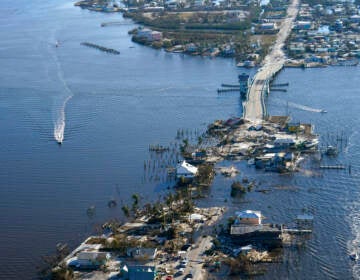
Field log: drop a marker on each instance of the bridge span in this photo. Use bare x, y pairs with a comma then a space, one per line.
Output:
254, 106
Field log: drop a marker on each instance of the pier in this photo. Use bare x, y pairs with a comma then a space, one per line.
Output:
111, 23
230, 86
254, 107
278, 89
221, 90
280, 85
337, 166
101, 48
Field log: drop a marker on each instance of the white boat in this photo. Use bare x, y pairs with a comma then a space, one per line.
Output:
311, 143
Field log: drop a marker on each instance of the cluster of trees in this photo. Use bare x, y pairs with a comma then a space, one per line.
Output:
174, 206
238, 189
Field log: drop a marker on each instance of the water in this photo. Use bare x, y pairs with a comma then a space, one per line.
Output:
107, 109
332, 196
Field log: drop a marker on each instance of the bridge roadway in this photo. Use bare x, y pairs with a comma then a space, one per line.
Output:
254, 107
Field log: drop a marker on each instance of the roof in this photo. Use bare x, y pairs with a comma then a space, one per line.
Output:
249, 214
247, 247
140, 272
141, 268
141, 251
243, 77
186, 168
284, 141
281, 120
91, 255
196, 217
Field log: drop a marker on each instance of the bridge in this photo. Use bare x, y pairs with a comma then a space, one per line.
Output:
254, 106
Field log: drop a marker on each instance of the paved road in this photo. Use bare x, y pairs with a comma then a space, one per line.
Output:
273, 63
196, 257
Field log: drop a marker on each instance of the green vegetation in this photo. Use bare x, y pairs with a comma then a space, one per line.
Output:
205, 175
223, 33
237, 189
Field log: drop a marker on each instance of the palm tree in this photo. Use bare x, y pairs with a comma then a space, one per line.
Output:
135, 204
126, 210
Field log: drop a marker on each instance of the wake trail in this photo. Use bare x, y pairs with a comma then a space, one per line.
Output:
298, 106
304, 107
60, 116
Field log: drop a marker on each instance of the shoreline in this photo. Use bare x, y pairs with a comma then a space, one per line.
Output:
201, 245
309, 55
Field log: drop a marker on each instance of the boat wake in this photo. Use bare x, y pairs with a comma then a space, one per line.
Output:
298, 106
305, 108
59, 124
59, 114
353, 245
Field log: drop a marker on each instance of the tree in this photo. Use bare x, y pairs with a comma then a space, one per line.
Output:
126, 210
135, 204
200, 140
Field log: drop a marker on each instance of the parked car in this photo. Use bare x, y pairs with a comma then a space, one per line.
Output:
188, 276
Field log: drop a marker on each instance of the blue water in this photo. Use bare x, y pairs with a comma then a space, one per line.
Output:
332, 196
112, 107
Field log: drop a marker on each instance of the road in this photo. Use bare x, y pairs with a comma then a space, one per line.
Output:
196, 257
254, 109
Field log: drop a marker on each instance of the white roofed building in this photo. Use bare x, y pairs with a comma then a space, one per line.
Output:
248, 217
185, 170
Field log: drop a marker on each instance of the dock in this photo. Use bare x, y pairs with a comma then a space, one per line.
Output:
296, 231
230, 86
280, 85
101, 48
221, 90
104, 24
337, 166
278, 89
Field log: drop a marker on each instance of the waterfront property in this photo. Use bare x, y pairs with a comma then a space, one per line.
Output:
88, 260
248, 228
140, 253
269, 144
248, 217
185, 170
138, 272
325, 34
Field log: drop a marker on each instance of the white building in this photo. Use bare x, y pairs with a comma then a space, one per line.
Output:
186, 170
248, 217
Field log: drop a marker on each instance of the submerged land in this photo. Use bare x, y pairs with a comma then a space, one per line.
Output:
173, 238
